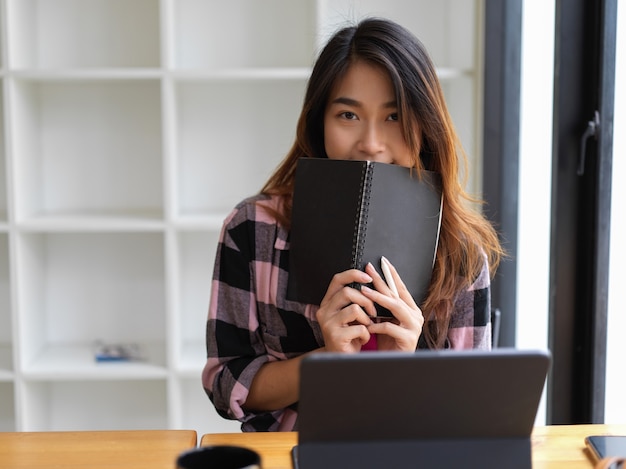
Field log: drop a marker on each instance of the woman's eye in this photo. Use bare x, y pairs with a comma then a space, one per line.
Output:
348, 115
393, 117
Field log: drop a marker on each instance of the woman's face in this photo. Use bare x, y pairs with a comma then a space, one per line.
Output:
361, 118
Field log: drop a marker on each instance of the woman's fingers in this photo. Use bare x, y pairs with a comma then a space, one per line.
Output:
344, 330
394, 296
339, 294
340, 280
344, 313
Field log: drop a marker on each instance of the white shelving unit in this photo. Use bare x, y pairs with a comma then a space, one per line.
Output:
129, 129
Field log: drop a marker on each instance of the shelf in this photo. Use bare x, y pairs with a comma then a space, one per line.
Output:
76, 362
252, 74
129, 130
201, 221
87, 75
242, 74
93, 222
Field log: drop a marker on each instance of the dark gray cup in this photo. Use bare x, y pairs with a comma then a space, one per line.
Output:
219, 457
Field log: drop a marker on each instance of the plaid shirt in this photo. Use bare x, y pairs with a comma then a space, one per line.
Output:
251, 322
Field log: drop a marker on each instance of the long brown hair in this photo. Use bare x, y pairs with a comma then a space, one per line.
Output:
466, 237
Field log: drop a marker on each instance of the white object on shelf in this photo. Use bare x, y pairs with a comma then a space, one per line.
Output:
129, 130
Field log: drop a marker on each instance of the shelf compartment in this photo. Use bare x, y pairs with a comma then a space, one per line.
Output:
198, 412
192, 356
90, 286
6, 362
230, 137
196, 257
94, 405
7, 407
87, 147
3, 167
6, 329
465, 111
243, 34
446, 27
3, 36
44, 34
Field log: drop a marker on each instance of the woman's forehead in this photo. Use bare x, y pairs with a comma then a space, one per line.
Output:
365, 79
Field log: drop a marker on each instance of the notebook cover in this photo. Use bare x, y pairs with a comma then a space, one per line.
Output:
348, 213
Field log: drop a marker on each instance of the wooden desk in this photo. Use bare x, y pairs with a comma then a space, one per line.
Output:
563, 446
150, 449
553, 447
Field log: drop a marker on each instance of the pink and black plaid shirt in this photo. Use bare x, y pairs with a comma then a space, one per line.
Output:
251, 322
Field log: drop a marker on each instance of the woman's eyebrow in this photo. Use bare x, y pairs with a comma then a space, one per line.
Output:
353, 102
346, 101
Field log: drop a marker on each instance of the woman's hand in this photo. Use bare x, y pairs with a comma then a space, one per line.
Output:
344, 314
391, 336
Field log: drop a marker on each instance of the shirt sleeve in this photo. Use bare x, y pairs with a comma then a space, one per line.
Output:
235, 350
470, 324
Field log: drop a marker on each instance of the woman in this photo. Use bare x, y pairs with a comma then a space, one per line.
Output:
373, 95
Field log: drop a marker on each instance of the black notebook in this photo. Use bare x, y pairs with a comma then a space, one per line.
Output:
348, 213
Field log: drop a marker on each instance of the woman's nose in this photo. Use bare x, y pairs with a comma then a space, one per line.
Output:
372, 140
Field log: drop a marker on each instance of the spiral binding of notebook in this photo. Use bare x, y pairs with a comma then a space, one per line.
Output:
361, 216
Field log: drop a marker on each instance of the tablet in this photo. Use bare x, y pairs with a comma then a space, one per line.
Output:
396, 404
